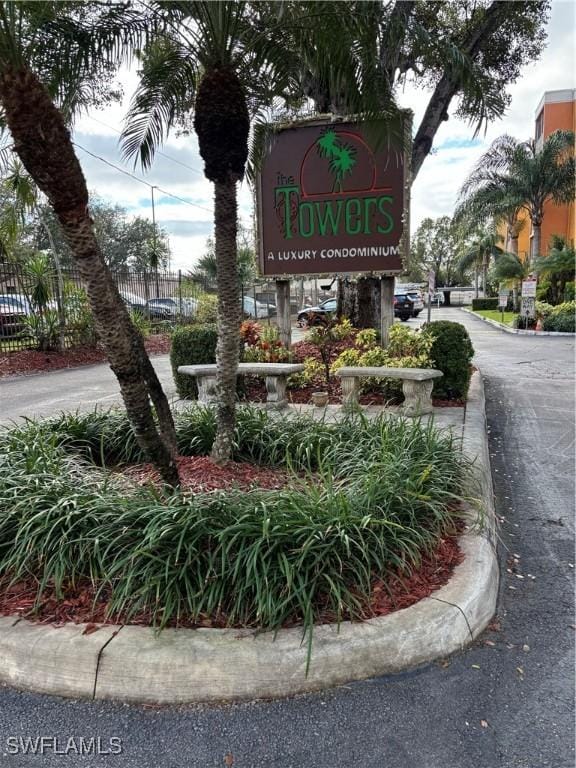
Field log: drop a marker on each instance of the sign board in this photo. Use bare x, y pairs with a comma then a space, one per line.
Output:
503, 299
528, 306
529, 287
330, 202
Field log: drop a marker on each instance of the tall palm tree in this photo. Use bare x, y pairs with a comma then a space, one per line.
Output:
515, 176
219, 63
480, 251
194, 67
49, 51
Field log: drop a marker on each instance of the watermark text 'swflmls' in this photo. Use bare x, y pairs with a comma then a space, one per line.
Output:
73, 745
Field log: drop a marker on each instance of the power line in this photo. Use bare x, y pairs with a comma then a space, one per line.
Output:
142, 181
158, 152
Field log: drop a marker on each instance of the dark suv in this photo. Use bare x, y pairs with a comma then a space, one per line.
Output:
403, 306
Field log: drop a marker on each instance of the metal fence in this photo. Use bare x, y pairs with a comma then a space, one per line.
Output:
46, 309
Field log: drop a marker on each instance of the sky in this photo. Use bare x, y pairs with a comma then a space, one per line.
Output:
178, 171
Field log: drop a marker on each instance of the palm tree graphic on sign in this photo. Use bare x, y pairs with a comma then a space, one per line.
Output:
342, 157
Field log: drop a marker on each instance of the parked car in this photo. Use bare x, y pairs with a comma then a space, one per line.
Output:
185, 307
317, 315
403, 306
257, 309
140, 305
416, 297
13, 313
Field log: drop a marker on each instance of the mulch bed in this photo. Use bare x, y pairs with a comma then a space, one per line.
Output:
79, 604
28, 361
199, 473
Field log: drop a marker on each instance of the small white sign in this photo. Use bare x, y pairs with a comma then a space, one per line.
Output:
503, 299
529, 288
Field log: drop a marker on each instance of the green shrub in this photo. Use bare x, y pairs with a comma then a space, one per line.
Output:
570, 291
207, 310
452, 354
484, 304
562, 318
192, 345
382, 495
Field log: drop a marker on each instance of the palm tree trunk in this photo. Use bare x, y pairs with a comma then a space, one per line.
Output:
484, 274
228, 349
535, 249
43, 143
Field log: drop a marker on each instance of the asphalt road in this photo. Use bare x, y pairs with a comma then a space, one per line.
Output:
507, 702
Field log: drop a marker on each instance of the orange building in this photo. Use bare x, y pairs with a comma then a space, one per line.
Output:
556, 111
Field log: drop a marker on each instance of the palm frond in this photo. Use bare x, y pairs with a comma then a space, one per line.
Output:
167, 85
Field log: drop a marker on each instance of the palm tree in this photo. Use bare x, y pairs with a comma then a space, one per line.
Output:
48, 51
510, 270
217, 62
559, 267
194, 65
479, 252
516, 176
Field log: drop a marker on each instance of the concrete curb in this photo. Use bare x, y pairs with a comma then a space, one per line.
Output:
134, 664
517, 331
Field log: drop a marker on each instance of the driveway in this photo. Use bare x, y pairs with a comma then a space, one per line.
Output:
44, 394
507, 702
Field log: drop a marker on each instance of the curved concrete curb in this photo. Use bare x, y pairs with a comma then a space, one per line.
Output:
517, 331
180, 665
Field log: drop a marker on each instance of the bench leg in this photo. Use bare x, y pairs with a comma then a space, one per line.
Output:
350, 388
417, 397
207, 392
276, 392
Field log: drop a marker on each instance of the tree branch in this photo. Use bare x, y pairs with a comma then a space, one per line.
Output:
449, 85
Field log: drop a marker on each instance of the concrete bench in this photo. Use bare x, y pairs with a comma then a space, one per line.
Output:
417, 386
275, 374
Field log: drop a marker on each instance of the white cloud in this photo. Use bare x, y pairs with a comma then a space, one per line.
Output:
433, 194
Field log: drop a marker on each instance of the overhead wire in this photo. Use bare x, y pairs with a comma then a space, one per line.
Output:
158, 152
137, 178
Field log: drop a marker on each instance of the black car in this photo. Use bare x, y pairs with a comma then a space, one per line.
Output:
403, 306
317, 315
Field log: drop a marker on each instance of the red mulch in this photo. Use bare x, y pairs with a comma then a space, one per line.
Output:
27, 361
79, 605
200, 473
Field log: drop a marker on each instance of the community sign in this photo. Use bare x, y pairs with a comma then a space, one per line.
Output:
330, 201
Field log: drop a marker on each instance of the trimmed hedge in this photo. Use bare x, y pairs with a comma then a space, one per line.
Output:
192, 345
484, 304
451, 353
561, 319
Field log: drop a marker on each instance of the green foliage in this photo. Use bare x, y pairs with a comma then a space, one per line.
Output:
435, 246
140, 322
43, 328
484, 303
207, 309
452, 354
192, 345
135, 243
382, 494
313, 373
366, 338
344, 329
543, 309
562, 318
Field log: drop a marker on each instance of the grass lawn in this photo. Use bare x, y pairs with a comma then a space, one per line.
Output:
495, 314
